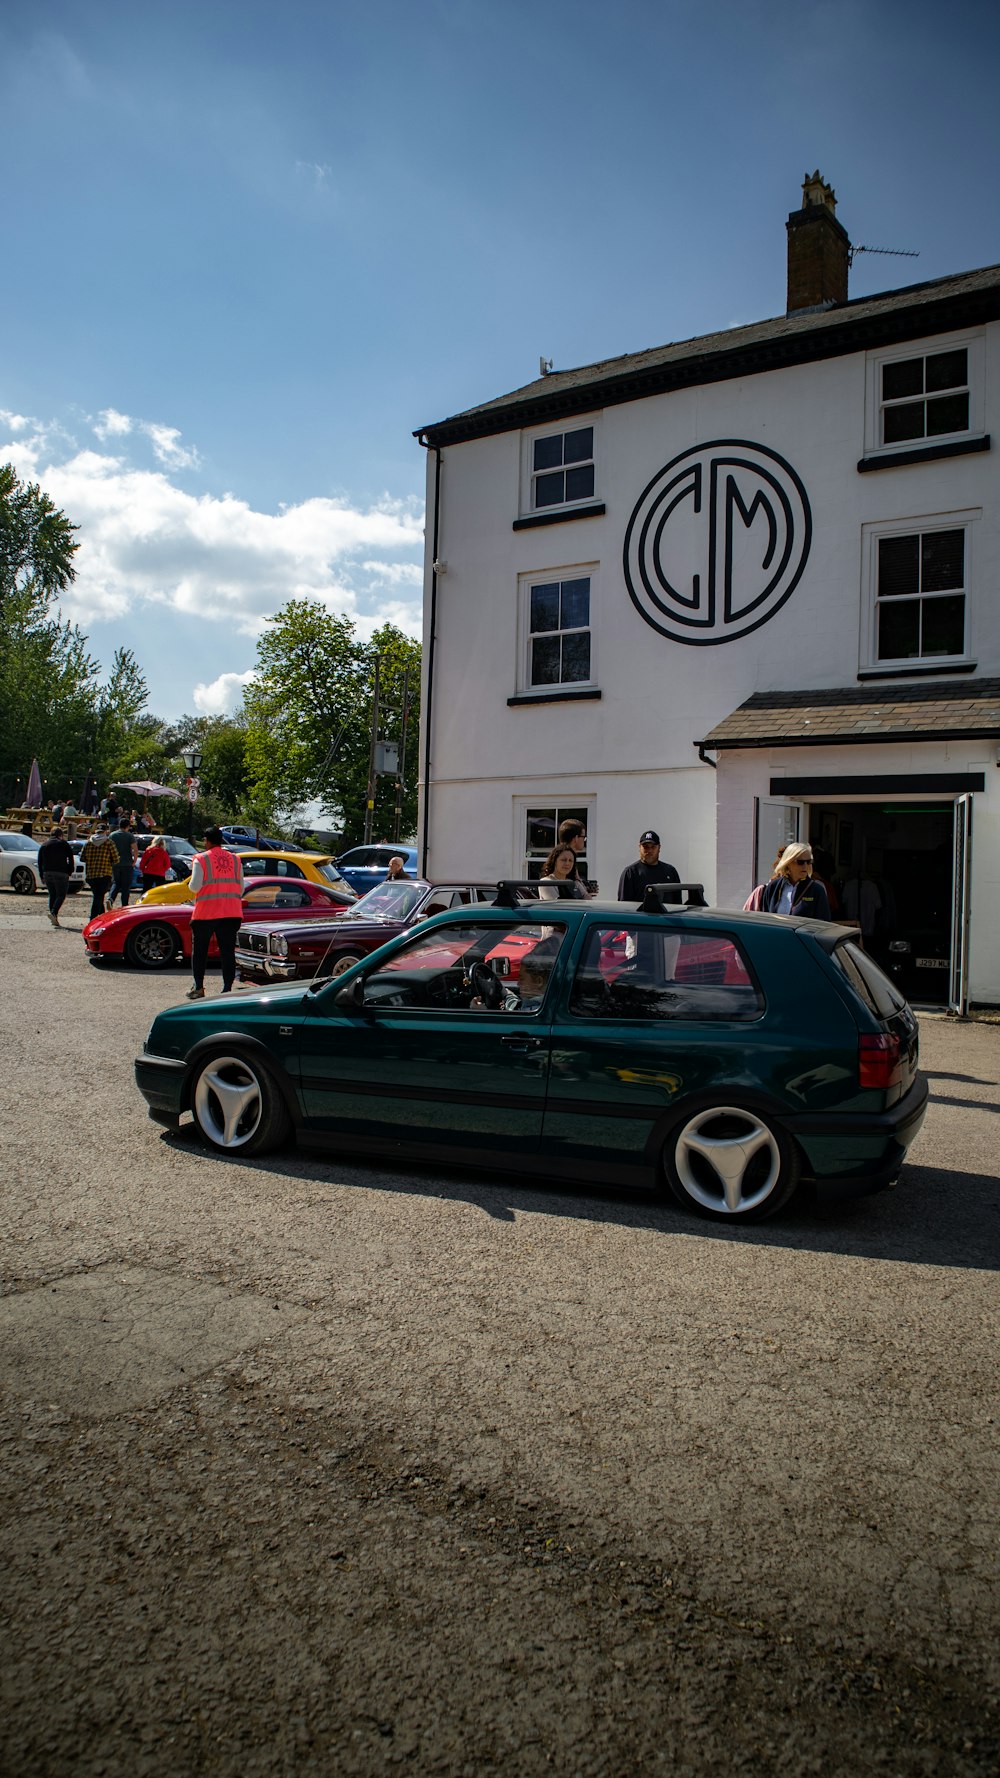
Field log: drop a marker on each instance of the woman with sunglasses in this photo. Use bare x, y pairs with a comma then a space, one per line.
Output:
793, 889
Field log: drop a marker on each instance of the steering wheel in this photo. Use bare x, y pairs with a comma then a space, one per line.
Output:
486, 986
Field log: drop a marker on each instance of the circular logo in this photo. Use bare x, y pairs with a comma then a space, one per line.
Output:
717, 542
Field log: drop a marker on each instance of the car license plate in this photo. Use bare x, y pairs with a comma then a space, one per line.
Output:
931, 962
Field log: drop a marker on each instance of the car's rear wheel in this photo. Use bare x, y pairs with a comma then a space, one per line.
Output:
731, 1163
237, 1107
151, 946
346, 960
21, 881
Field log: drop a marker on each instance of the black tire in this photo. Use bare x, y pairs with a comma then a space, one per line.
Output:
21, 880
152, 945
346, 960
486, 986
730, 1163
237, 1107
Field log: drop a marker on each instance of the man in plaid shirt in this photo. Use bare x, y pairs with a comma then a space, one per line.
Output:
99, 860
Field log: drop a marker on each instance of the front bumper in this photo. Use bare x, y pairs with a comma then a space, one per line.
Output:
161, 1081
860, 1153
261, 963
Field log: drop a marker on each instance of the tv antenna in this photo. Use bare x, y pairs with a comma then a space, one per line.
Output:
894, 252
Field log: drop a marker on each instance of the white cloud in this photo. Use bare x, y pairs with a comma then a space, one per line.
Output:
111, 424
16, 422
213, 559
222, 695
168, 448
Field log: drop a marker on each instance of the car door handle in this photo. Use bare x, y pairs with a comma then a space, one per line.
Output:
521, 1043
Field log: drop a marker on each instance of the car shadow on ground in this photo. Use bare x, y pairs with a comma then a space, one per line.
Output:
935, 1216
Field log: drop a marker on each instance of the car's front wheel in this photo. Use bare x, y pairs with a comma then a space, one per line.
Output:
151, 946
731, 1163
22, 882
237, 1107
346, 960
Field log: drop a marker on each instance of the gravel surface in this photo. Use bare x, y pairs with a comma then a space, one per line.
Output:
314, 1467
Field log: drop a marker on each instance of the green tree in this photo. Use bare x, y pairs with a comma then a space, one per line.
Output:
37, 543
308, 716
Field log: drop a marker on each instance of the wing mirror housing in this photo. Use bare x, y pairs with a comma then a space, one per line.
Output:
351, 994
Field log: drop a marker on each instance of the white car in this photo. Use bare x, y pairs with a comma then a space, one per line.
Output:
19, 863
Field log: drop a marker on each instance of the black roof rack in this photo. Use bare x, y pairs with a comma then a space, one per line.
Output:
510, 891
660, 895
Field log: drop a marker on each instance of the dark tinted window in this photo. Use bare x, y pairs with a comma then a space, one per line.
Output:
879, 994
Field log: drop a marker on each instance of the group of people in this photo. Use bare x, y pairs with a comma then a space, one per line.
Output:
109, 859
562, 866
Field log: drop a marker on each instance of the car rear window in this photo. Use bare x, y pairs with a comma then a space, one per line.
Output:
643, 972
879, 994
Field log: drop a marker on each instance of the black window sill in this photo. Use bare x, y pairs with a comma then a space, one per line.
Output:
554, 697
560, 515
930, 453
942, 670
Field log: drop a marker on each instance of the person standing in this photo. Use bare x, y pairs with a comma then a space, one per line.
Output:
397, 871
154, 864
573, 833
70, 814
559, 867
99, 860
55, 862
649, 867
128, 852
793, 889
217, 885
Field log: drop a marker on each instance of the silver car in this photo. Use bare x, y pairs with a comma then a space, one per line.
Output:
19, 863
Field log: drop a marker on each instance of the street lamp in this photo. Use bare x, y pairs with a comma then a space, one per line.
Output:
192, 757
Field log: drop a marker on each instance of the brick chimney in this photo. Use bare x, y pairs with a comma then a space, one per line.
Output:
818, 250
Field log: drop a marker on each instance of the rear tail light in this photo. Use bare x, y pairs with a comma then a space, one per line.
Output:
880, 1061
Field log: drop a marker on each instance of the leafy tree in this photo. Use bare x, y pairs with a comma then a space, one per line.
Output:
308, 716
37, 545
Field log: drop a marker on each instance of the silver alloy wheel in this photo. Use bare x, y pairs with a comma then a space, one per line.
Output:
727, 1160
228, 1102
21, 881
343, 963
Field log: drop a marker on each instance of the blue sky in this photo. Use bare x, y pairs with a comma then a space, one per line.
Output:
251, 247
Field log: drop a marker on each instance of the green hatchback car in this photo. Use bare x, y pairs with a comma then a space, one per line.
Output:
722, 1055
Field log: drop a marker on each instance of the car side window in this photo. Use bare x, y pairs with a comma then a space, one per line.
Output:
651, 973
254, 867
438, 971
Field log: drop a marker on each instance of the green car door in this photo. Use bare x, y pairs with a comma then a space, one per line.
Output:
424, 1056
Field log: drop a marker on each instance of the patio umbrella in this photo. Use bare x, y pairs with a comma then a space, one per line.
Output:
88, 801
146, 787
33, 794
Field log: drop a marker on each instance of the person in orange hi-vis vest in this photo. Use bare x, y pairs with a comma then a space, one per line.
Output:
217, 882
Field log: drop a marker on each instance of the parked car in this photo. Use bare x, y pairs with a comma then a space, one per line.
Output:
722, 1056
310, 867
365, 866
153, 937
19, 863
285, 952
238, 837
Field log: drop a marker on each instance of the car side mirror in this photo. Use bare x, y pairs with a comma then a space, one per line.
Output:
352, 994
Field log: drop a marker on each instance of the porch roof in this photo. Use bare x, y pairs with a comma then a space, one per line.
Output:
933, 711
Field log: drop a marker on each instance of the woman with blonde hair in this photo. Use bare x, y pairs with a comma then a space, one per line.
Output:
793, 889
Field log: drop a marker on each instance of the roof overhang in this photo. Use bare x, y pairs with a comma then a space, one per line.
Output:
849, 716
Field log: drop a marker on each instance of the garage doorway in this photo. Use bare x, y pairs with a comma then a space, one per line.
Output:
892, 867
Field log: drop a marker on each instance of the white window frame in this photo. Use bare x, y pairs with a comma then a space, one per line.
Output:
563, 801
543, 577
910, 527
528, 509
972, 343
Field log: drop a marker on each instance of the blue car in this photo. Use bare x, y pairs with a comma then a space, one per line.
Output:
363, 867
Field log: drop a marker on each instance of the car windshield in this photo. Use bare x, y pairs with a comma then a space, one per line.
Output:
389, 901
19, 842
331, 875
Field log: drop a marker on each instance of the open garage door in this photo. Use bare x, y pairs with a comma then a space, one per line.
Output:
776, 824
958, 986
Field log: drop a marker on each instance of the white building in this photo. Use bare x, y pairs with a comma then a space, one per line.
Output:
739, 589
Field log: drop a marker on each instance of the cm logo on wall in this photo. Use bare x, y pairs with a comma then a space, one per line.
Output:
717, 542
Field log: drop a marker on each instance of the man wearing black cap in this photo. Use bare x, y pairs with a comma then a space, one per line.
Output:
648, 868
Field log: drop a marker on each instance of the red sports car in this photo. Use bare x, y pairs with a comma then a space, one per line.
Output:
153, 937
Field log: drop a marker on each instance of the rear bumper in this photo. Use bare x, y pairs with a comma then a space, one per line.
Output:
856, 1154
161, 1081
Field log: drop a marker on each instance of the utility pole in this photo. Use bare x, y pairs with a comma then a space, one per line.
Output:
397, 819
370, 798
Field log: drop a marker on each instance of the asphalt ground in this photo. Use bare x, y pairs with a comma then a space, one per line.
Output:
313, 1467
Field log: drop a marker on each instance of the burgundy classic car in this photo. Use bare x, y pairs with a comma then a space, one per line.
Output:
152, 937
285, 951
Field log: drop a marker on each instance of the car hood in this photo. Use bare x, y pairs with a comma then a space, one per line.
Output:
176, 1030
